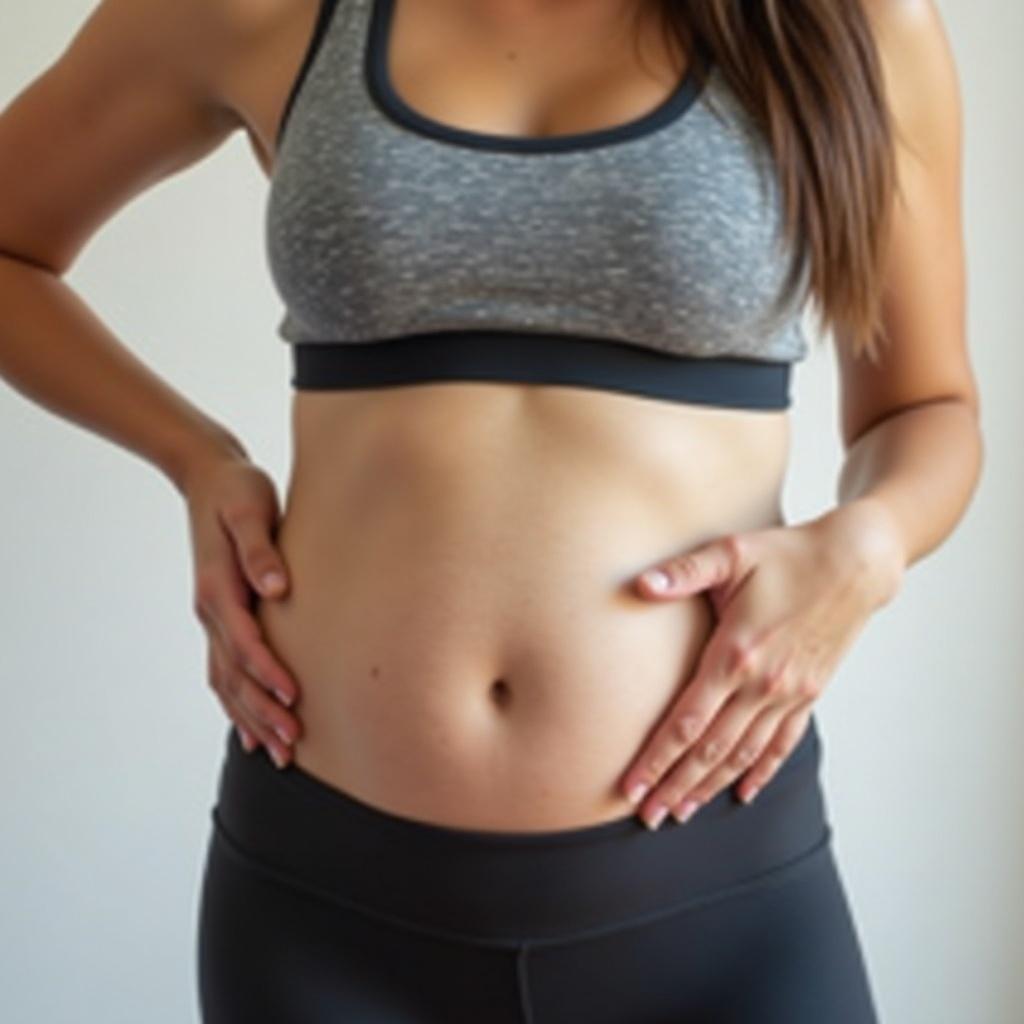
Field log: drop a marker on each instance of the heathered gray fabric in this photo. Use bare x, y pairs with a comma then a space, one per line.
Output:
670, 240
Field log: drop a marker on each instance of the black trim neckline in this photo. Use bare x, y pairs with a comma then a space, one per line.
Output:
323, 20
391, 104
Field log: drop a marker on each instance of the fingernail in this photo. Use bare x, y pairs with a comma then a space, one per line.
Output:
637, 793
656, 817
247, 740
283, 697
278, 757
272, 580
656, 579
280, 730
687, 809
749, 795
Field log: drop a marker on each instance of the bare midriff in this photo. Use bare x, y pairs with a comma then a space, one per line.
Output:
462, 621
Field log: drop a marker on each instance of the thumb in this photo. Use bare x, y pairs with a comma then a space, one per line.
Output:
259, 559
710, 565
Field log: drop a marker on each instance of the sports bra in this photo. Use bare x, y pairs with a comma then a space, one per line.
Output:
645, 257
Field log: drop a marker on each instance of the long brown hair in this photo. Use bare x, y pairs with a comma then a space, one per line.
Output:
809, 74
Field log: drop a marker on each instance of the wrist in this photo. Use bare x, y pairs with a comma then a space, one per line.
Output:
865, 530
211, 445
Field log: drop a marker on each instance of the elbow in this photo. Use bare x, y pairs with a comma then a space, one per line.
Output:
966, 399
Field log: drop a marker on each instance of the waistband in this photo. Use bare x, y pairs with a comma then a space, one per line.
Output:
540, 357
503, 888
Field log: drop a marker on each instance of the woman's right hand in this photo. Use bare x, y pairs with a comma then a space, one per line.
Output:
233, 515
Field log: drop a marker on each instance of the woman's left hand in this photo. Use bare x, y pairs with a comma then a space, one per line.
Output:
789, 602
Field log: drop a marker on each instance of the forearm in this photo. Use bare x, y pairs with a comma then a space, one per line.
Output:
910, 478
55, 351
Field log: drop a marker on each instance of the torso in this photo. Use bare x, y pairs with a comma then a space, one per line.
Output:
460, 621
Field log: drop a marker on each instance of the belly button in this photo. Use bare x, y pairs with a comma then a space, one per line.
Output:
501, 693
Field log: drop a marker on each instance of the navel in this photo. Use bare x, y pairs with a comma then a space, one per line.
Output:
501, 693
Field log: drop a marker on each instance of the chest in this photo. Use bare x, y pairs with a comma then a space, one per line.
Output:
399, 186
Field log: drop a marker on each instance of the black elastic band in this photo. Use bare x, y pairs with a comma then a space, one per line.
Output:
541, 358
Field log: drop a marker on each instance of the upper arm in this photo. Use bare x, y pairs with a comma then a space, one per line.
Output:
923, 356
131, 100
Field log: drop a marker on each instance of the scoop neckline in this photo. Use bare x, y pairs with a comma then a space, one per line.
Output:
390, 103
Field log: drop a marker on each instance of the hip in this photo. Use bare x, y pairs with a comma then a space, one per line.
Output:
556, 884
317, 906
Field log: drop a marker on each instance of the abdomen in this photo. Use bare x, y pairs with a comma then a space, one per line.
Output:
461, 620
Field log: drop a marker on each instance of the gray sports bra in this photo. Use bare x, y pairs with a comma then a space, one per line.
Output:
644, 257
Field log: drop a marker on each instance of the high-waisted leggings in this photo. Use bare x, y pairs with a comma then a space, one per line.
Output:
318, 908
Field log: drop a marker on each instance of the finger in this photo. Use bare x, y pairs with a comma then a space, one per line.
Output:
727, 662
680, 791
710, 565
273, 726
786, 737
254, 656
744, 726
248, 741
248, 730
675, 735
744, 750
266, 709
277, 733
259, 559
242, 637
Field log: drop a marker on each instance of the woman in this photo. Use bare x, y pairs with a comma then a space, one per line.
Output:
542, 334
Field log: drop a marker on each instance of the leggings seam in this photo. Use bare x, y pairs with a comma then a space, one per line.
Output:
522, 977
274, 873
764, 880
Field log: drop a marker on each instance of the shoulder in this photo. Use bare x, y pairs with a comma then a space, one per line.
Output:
142, 89
198, 42
919, 69
905, 23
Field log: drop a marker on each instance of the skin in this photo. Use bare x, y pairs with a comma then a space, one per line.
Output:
462, 635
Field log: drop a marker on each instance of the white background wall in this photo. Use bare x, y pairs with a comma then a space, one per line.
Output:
112, 738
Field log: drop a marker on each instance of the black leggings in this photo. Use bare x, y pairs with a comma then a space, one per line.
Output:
317, 908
